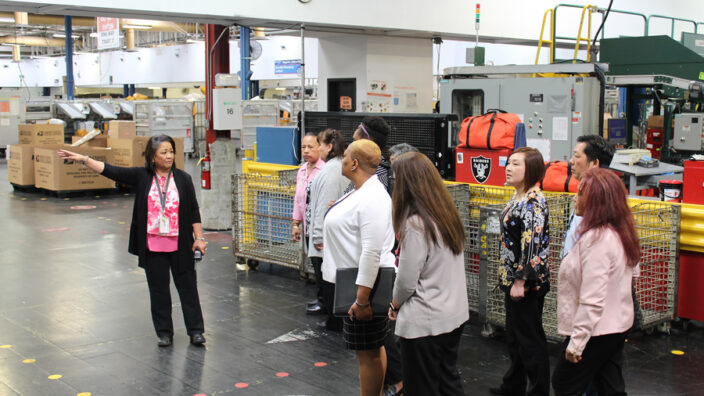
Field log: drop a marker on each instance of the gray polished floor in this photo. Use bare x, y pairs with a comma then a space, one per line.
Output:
74, 304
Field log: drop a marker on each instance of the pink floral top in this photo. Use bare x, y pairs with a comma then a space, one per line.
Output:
155, 241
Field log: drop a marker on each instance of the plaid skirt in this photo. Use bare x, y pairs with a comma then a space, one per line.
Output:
361, 336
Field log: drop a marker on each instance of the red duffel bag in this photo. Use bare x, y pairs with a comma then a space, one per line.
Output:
493, 130
558, 177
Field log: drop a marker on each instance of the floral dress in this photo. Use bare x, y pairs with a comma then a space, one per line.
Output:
525, 238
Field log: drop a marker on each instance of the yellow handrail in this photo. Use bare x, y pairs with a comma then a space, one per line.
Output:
579, 33
552, 35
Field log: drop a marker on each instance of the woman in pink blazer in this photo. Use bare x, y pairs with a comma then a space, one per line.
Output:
595, 307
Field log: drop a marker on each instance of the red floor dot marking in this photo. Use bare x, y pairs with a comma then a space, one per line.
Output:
103, 232
241, 385
200, 394
320, 364
82, 207
282, 374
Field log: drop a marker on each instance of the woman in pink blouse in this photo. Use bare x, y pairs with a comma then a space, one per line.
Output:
164, 233
595, 307
312, 164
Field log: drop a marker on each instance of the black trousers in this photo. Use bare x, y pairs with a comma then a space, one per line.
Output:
159, 267
430, 365
327, 296
527, 346
317, 264
394, 364
601, 365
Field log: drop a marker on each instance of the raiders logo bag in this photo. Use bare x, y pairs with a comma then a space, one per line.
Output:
493, 130
558, 177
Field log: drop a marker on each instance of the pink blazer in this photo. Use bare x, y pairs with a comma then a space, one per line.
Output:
594, 289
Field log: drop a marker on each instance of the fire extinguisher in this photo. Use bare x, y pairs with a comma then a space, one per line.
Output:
205, 172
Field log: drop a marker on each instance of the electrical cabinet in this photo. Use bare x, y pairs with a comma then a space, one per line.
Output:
689, 128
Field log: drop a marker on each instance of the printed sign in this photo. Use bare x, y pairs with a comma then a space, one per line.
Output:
291, 66
108, 33
481, 168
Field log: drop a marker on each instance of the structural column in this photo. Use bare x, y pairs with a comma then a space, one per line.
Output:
217, 60
69, 57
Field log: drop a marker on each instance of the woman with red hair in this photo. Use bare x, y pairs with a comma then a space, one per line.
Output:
595, 307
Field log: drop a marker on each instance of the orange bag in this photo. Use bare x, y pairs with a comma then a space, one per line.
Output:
493, 130
558, 177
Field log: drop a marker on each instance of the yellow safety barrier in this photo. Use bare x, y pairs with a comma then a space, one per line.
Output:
264, 168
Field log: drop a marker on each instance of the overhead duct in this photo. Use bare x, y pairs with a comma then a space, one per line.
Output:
15, 53
129, 40
32, 41
21, 18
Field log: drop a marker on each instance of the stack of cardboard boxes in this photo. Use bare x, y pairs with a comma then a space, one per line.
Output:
34, 161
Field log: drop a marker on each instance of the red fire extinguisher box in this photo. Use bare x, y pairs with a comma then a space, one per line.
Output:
693, 189
481, 166
690, 294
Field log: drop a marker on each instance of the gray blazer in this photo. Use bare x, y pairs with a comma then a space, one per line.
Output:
430, 287
328, 185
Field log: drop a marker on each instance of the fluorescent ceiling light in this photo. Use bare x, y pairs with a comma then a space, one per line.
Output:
94, 34
63, 35
128, 26
12, 44
7, 20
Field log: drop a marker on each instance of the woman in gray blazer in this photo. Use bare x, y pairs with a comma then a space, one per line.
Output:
328, 185
430, 294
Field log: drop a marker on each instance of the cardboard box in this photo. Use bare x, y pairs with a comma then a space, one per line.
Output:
98, 141
130, 152
658, 122
121, 129
41, 134
54, 173
20, 164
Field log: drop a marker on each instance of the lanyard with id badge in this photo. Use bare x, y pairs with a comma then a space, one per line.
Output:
164, 224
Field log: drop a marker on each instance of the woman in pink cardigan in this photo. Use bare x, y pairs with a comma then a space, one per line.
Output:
595, 307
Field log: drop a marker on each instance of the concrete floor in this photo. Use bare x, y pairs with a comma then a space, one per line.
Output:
74, 304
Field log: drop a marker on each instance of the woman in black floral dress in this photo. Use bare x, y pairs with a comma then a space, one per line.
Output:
524, 276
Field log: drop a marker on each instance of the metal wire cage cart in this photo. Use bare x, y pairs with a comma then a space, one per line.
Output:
657, 225
262, 207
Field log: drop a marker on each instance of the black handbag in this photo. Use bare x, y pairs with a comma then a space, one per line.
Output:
346, 291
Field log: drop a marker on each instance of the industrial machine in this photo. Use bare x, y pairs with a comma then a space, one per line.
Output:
429, 133
557, 103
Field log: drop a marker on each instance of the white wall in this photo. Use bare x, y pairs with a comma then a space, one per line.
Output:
392, 73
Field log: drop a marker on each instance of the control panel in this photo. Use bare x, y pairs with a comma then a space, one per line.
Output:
688, 132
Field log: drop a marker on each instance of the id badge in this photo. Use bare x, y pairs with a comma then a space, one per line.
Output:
163, 225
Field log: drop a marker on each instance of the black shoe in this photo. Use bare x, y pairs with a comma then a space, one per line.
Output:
165, 341
315, 309
197, 339
313, 302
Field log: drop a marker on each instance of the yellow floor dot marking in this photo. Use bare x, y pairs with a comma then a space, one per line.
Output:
225, 247
97, 196
677, 352
121, 222
55, 376
108, 219
42, 199
83, 394
23, 199
5, 346
29, 360
67, 199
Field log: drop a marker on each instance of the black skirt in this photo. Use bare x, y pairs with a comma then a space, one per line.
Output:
364, 335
